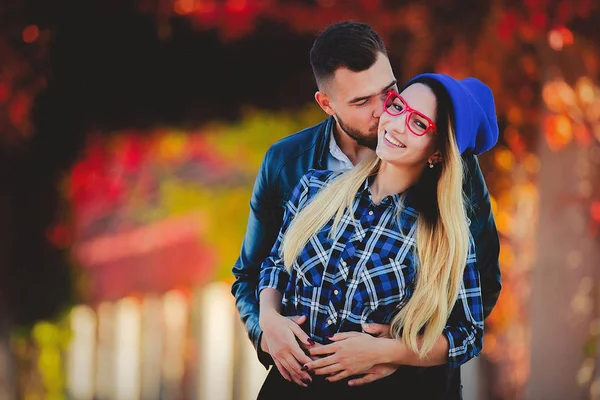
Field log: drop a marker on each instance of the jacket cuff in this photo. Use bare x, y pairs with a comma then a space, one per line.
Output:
265, 358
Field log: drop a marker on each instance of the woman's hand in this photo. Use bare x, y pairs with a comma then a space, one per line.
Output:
355, 353
281, 336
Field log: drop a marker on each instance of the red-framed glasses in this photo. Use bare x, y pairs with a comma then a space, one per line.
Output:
416, 122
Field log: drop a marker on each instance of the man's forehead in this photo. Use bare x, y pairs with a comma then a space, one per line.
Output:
348, 85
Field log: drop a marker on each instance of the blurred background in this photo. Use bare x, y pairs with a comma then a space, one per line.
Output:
130, 135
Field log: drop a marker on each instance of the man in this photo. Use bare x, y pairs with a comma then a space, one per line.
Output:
353, 75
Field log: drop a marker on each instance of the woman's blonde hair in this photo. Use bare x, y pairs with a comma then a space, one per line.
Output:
442, 235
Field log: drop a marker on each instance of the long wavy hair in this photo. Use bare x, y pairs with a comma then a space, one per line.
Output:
442, 232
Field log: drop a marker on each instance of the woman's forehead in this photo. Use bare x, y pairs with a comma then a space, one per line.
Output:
421, 98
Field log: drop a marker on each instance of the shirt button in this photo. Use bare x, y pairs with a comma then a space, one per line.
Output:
370, 212
336, 292
328, 322
343, 263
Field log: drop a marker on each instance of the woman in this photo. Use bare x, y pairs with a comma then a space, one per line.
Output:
386, 242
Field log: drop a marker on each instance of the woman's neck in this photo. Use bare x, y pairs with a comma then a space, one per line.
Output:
392, 179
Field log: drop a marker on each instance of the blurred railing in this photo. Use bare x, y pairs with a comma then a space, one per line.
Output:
175, 346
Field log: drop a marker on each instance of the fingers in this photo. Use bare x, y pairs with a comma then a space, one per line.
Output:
304, 339
373, 374
338, 377
282, 371
298, 319
299, 377
323, 350
294, 358
307, 347
295, 348
293, 371
379, 330
343, 336
283, 341
320, 363
362, 380
314, 358
328, 370
300, 356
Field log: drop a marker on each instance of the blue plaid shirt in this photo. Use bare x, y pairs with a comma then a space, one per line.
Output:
365, 272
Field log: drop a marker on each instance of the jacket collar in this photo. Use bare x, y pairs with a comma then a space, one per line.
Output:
322, 142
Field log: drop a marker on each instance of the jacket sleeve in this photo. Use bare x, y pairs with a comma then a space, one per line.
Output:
464, 329
264, 222
484, 232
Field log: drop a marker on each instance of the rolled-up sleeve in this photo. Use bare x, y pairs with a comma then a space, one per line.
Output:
273, 273
465, 325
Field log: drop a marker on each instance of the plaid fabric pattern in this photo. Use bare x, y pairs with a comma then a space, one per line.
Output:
365, 272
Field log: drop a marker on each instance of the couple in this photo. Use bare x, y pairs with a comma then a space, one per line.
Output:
370, 243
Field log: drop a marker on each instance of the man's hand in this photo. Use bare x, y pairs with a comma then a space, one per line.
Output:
377, 330
281, 338
376, 372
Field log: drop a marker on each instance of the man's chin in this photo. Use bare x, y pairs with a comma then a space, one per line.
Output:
370, 143
372, 146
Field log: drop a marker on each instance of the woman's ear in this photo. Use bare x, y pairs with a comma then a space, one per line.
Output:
435, 157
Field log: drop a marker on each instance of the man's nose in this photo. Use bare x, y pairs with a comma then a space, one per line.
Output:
379, 108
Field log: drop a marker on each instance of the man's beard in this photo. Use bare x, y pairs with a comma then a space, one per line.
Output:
362, 139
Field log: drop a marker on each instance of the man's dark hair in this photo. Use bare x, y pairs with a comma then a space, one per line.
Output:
348, 44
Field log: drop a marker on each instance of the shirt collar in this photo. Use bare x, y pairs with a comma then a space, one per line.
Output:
396, 199
335, 151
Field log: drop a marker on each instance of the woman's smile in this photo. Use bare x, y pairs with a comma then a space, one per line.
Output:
391, 141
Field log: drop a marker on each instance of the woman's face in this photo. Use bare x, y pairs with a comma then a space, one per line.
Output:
397, 144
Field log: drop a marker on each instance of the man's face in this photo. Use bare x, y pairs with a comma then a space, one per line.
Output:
356, 99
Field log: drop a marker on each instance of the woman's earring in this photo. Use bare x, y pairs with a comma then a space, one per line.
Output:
430, 164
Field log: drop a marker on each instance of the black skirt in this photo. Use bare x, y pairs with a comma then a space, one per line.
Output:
431, 383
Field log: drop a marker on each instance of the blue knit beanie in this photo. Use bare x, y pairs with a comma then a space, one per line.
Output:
474, 112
